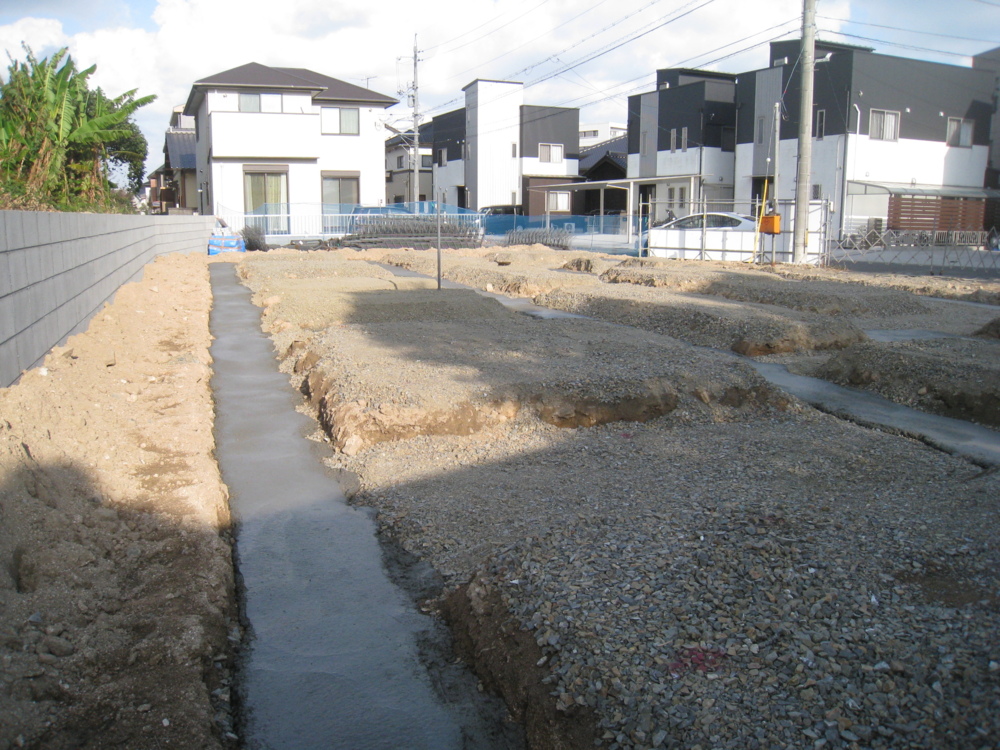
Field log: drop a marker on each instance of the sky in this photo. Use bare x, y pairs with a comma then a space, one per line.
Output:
590, 54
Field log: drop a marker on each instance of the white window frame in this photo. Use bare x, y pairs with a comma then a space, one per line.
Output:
673, 140
883, 125
442, 157
337, 121
550, 153
684, 139
819, 124
557, 200
351, 180
960, 132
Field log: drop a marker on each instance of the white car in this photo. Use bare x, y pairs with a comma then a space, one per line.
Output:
714, 220
726, 236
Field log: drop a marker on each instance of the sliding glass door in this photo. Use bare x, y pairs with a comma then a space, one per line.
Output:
265, 196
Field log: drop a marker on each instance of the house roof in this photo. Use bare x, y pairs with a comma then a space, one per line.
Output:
614, 149
180, 147
337, 90
256, 76
406, 138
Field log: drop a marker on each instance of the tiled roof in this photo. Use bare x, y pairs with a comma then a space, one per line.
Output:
337, 90
254, 75
616, 149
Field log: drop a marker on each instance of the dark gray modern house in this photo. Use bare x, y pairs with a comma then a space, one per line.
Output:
683, 134
897, 143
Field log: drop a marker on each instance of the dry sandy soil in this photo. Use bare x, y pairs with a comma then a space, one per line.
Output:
117, 613
116, 581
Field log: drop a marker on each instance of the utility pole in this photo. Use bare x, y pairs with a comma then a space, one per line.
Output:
416, 127
803, 186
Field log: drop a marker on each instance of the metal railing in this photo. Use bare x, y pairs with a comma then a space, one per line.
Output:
286, 221
934, 249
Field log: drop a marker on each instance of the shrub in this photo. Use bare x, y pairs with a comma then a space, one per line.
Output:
253, 238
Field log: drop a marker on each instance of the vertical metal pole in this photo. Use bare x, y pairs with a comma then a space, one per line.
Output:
777, 148
704, 219
640, 231
439, 243
416, 127
804, 184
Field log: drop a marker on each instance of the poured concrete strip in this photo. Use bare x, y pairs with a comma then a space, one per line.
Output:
331, 657
978, 444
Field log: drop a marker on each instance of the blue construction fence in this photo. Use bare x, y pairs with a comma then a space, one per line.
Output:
574, 224
329, 219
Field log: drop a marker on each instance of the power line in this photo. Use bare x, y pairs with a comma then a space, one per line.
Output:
534, 39
896, 44
629, 40
908, 31
485, 23
555, 55
680, 64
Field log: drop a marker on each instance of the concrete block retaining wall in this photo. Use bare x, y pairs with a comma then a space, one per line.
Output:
58, 269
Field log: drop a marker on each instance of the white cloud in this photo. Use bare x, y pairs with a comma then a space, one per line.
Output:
43, 35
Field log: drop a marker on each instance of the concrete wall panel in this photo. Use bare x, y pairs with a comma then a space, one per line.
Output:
57, 270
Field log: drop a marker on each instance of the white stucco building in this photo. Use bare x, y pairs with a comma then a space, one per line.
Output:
286, 143
498, 151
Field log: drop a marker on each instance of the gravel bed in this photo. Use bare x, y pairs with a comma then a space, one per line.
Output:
755, 577
769, 583
706, 321
744, 285
985, 291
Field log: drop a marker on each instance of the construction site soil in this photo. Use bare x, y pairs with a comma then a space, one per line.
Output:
640, 541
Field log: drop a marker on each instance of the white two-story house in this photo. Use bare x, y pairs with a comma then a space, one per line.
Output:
288, 144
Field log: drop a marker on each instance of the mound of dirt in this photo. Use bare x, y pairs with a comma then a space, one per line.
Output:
748, 329
991, 330
746, 285
953, 377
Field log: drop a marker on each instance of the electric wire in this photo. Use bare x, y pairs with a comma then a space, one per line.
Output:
476, 28
908, 31
621, 41
532, 40
914, 47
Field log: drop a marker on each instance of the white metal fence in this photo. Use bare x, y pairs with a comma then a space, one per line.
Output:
972, 250
730, 231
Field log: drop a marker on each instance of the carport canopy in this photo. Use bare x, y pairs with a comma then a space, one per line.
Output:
629, 184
